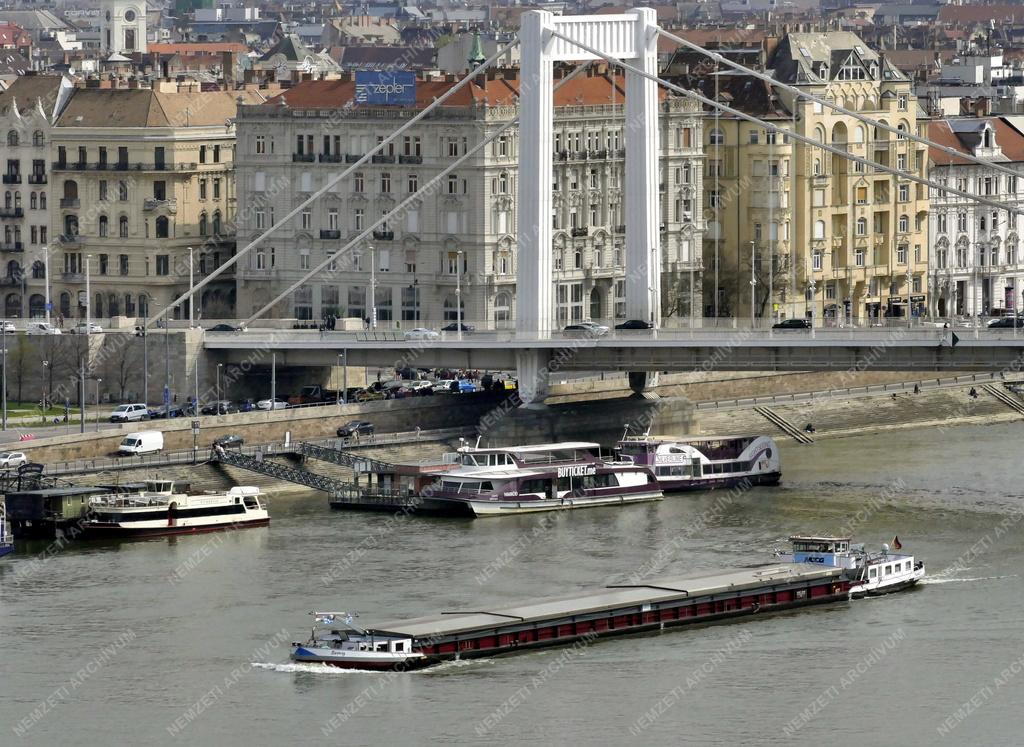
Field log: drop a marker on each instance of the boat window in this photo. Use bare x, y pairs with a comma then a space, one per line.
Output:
873, 573
400, 646
382, 646
534, 485
888, 570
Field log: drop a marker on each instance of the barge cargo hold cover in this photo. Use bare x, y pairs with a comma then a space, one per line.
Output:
651, 604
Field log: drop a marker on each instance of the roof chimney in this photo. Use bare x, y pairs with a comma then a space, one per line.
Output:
227, 65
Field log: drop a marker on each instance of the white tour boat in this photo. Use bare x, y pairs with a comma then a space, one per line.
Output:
340, 643
874, 573
705, 462
159, 510
541, 477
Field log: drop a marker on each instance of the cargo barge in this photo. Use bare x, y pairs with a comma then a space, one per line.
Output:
651, 605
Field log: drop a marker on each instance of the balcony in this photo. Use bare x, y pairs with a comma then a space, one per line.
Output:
11, 212
151, 203
410, 159
303, 157
331, 158
37, 178
59, 165
330, 233
12, 178
351, 158
621, 228
70, 202
381, 158
579, 231
72, 277
561, 155
69, 239
600, 154
12, 246
384, 235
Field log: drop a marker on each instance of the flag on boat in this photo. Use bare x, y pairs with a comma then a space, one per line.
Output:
896, 544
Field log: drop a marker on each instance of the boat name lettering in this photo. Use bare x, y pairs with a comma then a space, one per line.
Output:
812, 559
580, 470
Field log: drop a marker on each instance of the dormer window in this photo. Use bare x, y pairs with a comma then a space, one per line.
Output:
988, 138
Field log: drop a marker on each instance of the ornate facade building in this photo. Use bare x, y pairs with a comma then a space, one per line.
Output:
457, 243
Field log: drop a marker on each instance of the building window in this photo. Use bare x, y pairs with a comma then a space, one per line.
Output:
163, 265
903, 225
961, 222
202, 189
858, 257
862, 195
162, 227
385, 182
904, 193
357, 182
260, 145
816, 260
104, 227
716, 137
862, 226
306, 219
901, 254
357, 217
122, 226
413, 183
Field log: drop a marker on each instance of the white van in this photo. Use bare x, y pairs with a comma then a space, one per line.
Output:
143, 442
129, 413
41, 328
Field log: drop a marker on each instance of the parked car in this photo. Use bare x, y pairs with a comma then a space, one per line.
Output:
12, 459
271, 404
129, 413
454, 327
354, 427
224, 328
794, 323
421, 333
41, 328
163, 413
367, 395
230, 441
143, 442
418, 386
1007, 322
224, 407
634, 324
585, 329
9, 328
80, 328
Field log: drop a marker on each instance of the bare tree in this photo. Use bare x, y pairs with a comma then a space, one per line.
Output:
16, 362
121, 360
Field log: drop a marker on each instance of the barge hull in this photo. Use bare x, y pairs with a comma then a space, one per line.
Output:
715, 483
91, 531
637, 608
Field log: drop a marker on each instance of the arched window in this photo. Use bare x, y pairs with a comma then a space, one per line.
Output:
577, 260
113, 305
37, 138
42, 200
14, 270
70, 190
97, 310
39, 270
862, 226
12, 138
503, 182
129, 305
904, 224
33, 201
902, 127
104, 227
819, 229
216, 223
819, 134
36, 305
817, 167
12, 305
122, 226
143, 305
450, 312
717, 137
7, 199
17, 200
65, 304
502, 307
162, 227
70, 225
858, 134
204, 226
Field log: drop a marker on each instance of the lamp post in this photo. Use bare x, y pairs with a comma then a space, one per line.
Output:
341, 389
373, 287
910, 279
191, 288
458, 292
753, 283
811, 289
273, 380
167, 363
219, 367
145, 359
344, 377
98, 382
46, 277
4, 377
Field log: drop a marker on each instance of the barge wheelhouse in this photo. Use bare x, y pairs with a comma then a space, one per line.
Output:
705, 463
874, 574
542, 477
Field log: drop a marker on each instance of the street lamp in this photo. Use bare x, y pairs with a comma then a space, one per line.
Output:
88, 314
458, 291
98, 381
373, 288
4, 383
219, 367
273, 380
191, 287
342, 391
810, 290
753, 283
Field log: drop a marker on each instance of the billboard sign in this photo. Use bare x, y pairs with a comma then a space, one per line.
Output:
385, 88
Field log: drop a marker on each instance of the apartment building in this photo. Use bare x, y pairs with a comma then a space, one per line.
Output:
455, 245
141, 177
849, 241
28, 110
975, 265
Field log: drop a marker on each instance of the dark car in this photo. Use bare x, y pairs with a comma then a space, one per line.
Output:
1007, 322
161, 413
224, 407
230, 441
792, 324
454, 327
634, 324
585, 329
224, 328
355, 427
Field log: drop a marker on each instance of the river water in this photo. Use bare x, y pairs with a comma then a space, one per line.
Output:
184, 641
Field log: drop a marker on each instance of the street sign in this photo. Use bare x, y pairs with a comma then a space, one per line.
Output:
49, 305
195, 427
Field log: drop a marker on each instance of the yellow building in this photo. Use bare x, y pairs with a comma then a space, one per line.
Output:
140, 176
849, 241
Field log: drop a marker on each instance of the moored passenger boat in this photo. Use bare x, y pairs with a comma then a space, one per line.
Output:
703, 463
874, 574
541, 477
6, 538
159, 510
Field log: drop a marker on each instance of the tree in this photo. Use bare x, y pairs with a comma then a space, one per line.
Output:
120, 361
768, 279
16, 362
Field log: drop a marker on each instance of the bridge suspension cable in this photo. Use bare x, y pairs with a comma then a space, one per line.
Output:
800, 138
718, 58
335, 179
422, 191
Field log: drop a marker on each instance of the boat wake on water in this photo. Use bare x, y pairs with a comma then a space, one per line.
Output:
967, 580
325, 669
